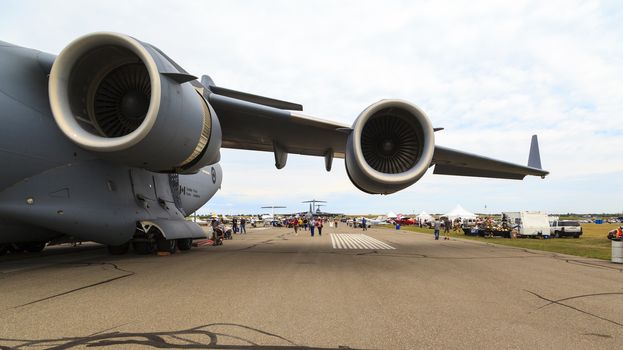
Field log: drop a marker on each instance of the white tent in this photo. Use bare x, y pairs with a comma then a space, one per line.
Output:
460, 212
424, 216
391, 215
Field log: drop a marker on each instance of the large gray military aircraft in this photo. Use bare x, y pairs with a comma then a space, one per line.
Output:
112, 141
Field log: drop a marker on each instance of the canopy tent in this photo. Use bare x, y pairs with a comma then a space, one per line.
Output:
459, 212
424, 216
391, 215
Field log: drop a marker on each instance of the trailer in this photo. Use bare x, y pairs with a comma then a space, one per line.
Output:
528, 223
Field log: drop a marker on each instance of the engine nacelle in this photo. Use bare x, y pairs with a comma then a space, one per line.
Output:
390, 148
127, 101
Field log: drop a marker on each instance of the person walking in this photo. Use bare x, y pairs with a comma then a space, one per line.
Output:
295, 225
437, 226
312, 226
234, 225
364, 223
335, 221
243, 226
446, 229
319, 225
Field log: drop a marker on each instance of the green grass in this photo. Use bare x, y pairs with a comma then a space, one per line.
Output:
592, 244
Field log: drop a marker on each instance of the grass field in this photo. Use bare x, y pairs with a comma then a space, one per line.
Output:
592, 244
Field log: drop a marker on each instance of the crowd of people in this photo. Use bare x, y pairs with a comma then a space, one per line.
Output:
314, 225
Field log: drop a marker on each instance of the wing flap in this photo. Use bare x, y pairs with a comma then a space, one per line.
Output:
463, 171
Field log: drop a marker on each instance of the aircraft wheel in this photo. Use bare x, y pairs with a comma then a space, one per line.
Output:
34, 247
185, 243
143, 248
166, 245
119, 249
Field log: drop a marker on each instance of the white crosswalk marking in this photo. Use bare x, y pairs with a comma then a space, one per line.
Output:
357, 241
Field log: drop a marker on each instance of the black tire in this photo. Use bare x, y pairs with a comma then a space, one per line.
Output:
17, 247
166, 245
184, 243
34, 247
143, 248
119, 249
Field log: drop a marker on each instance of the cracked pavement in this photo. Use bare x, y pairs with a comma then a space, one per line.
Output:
271, 289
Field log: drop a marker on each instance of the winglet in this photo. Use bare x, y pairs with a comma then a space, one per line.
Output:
534, 159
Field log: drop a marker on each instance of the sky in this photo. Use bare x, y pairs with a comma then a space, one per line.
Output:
492, 73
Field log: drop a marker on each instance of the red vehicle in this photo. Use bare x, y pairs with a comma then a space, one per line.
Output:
405, 221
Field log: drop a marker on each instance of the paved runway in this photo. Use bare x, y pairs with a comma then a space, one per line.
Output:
271, 289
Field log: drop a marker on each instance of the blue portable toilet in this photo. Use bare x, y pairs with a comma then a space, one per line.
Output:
599, 221
397, 226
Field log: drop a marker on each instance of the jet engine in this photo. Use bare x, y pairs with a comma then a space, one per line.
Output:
390, 147
128, 102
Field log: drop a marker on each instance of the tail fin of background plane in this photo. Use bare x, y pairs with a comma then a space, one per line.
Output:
534, 159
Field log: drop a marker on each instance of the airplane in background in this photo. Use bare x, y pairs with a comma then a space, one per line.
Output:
379, 220
269, 219
201, 222
325, 213
112, 141
314, 209
313, 205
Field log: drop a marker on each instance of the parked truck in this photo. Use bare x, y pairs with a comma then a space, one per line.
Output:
566, 228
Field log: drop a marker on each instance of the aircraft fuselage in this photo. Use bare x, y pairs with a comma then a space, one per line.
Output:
50, 187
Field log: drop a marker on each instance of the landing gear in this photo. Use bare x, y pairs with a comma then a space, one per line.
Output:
185, 243
149, 239
166, 245
119, 249
34, 247
144, 241
143, 247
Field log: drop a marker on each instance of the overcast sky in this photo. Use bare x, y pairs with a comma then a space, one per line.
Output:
491, 72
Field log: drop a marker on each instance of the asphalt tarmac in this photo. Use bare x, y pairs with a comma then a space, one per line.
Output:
271, 289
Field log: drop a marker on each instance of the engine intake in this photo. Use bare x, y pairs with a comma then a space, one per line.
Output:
128, 102
390, 148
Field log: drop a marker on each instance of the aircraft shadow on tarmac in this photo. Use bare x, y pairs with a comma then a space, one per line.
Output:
193, 338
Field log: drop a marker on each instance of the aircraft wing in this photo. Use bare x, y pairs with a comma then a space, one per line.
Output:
253, 122
453, 162
252, 126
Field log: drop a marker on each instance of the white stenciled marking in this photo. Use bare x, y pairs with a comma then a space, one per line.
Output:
357, 241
